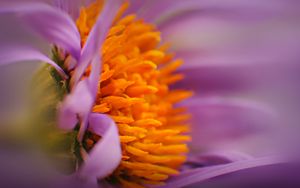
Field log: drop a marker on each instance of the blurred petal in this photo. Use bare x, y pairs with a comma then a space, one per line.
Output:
70, 6
52, 24
147, 8
235, 54
136, 6
201, 174
259, 79
27, 1
214, 158
11, 54
24, 167
212, 40
75, 182
97, 36
230, 34
170, 9
280, 175
106, 154
216, 121
217, 78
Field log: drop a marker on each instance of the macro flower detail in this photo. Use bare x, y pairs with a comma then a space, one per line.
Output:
134, 91
124, 101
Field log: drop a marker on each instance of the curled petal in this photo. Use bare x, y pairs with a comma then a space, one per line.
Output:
106, 154
11, 54
201, 174
93, 83
96, 37
80, 101
54, 25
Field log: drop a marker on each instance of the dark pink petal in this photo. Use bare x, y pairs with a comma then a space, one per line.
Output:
201, 174
106, 154
217, 121
52, 24
11, 54
97, 36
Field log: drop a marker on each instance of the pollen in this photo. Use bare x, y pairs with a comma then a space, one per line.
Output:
134, 90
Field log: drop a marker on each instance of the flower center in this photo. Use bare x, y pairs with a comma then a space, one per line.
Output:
134, 91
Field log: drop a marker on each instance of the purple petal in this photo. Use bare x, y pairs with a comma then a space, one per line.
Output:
106, 154
218, 78
136, 6
175, 8
93, 84
280, 175
52, 24
210, 39
97, 36
70, 6
73, 181
204, 159
222, 33
216, 121
201, 174
95, 75
214, 75
78, 102
151, 8
11, 54
28, 166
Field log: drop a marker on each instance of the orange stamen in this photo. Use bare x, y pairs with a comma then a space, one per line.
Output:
134, 91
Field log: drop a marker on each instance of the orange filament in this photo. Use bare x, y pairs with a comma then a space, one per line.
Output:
134, 90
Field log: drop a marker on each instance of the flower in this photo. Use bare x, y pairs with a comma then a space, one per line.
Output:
134, 91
